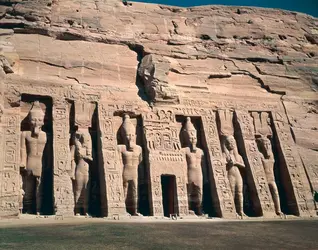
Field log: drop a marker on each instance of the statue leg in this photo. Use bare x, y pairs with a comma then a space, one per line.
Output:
239, 191
125, 185
38, 191
78, 193
29, 191
199, 199
232, 186
86, 194
275, 195
190, 191
134, 187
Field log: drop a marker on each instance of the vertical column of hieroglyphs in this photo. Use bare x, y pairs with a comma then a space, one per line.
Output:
254, 167
112, 194
223, 199
9, 163
300, 199
165, 158
63, 192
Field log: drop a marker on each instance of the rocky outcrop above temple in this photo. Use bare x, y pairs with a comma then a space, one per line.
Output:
231, 91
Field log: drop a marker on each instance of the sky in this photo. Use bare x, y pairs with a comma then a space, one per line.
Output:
306, 6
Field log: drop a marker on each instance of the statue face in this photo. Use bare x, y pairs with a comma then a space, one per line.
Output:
130, 138
230, 142
85, 143
36, 121
267, 146
193, 137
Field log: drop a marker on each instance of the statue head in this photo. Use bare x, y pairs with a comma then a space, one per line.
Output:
191, 133
84, 138
230, 142
36, 118
265, 146
128, 132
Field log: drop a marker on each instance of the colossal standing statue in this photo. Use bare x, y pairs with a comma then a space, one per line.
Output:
233, 162
268, 161
131, 156
32, 147
81, 152
194, 157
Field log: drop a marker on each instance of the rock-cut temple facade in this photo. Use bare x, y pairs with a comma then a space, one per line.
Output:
111, 108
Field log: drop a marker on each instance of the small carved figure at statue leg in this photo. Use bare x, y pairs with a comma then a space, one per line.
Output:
38, 195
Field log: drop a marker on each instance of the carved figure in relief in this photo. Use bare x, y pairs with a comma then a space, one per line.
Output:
81, 152
131, 155
21, 193
194, 157
32, 148
268, 161
234, 161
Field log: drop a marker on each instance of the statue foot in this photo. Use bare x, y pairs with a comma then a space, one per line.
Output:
241, 215
77, 214
281, 214
137, 214
87, 216
38, 215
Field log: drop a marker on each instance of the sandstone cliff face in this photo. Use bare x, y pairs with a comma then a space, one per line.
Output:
153, 55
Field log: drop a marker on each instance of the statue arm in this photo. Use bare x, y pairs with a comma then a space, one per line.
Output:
240, 162
204, 169
73, 163
140, 155
23, 151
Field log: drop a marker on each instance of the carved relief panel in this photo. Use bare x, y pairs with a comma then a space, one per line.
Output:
299, 196
63, 191
164, 157
9, 166
223, 201
111, 182
261, 200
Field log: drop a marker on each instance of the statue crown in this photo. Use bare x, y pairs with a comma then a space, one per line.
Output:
189, 126
127, 126
36, 109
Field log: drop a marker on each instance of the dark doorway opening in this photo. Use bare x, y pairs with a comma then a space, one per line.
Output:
169, 195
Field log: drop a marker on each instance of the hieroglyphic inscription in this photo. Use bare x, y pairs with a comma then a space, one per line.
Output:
9, 170
63, 193
301, 190
182, 196
223, 192
113, 192
256, 175
214, 103
165, 157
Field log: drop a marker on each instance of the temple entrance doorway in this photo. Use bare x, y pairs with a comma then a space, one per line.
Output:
169, 195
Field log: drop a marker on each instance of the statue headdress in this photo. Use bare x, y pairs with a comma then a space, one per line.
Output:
226, 122
127, 125
188, 126
36, 109
262, 124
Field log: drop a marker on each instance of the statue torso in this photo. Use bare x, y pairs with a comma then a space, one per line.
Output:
194, 161
35, 147
131, 162
268, 165
233, 171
